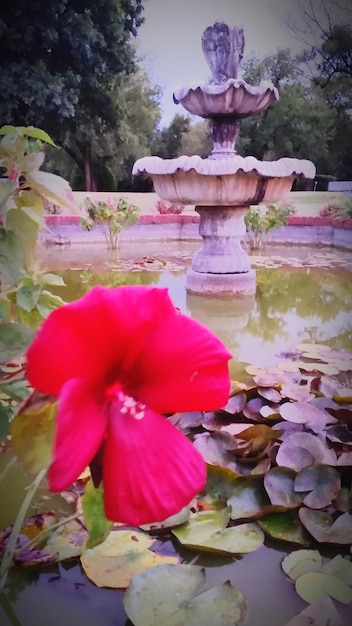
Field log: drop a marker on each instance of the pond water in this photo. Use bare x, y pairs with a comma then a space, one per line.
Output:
303, 294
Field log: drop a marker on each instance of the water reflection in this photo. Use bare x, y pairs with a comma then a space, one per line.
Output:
291, 305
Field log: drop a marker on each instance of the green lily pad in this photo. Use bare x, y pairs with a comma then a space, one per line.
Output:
206, 531
306, 413
285, 527
339, 567
248, 498
121, 556
301, 561
315, 585
279, 485
219, 485
324, 529
323, 483
215, 449
172, 595
67, 541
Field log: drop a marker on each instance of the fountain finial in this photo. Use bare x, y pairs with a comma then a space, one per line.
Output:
223, 50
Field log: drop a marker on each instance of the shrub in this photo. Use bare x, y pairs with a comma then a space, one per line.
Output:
339, 211
164, 207
261, 219
111, 215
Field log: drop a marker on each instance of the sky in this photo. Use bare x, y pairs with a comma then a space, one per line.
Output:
169, 41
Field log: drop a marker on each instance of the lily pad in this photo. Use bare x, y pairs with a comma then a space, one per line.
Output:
306, 413
339, 567
285, 527
324, 529
302, 449
323, 483
301, 561
206, 531
315, 585
322, 612
248, 498
279, 485
121, 556
173, 595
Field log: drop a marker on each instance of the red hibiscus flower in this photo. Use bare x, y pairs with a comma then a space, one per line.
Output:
117, 359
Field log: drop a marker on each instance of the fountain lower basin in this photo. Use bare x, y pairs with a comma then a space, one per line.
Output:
222, 191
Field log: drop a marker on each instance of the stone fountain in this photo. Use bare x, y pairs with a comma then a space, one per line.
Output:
224, 185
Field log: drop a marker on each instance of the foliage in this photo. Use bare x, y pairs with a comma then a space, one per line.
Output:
164, 207
167, 142
112, 215
60, 62
25, 298
261, 219
340, 211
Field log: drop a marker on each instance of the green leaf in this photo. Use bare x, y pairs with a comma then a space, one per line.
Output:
315, 585
5, 310
67, 541
172, 595
5, 415
321, 481
48, 302
93, 509
32, 431
206, 531
301, 561
14, 340
37, 133
52, 279
285, 527
279, 484
27, 296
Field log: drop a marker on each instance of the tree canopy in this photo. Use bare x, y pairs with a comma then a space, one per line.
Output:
59, 63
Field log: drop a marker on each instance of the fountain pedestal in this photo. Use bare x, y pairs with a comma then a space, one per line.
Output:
221, 266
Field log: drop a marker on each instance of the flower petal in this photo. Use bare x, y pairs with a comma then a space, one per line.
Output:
98, 335
80, 430
150, 469
183, 367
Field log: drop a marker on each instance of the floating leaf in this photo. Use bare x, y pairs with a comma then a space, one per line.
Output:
324, 529
285, 527
206, 531
301, 561
339, 567
279, 485
171, 594
235, 403
67, 541
121, 556
248, 498
215, 449
305, 413
322, 481
302, 449
170, 522
322, 612
219, 486
315, 585
32, 431
259, 436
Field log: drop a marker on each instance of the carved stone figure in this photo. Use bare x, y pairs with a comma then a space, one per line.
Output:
223, 50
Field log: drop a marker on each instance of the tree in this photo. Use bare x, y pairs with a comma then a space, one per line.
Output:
59, 61
167, 142
299, 125
324, 27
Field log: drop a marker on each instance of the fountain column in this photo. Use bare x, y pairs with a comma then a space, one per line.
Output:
221, 264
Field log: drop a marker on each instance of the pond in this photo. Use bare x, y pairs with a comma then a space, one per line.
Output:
303, 295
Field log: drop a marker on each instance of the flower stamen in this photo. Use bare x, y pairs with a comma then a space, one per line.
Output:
131, 407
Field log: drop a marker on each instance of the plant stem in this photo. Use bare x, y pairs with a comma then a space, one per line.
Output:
7, 468
44, 532
11, 544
